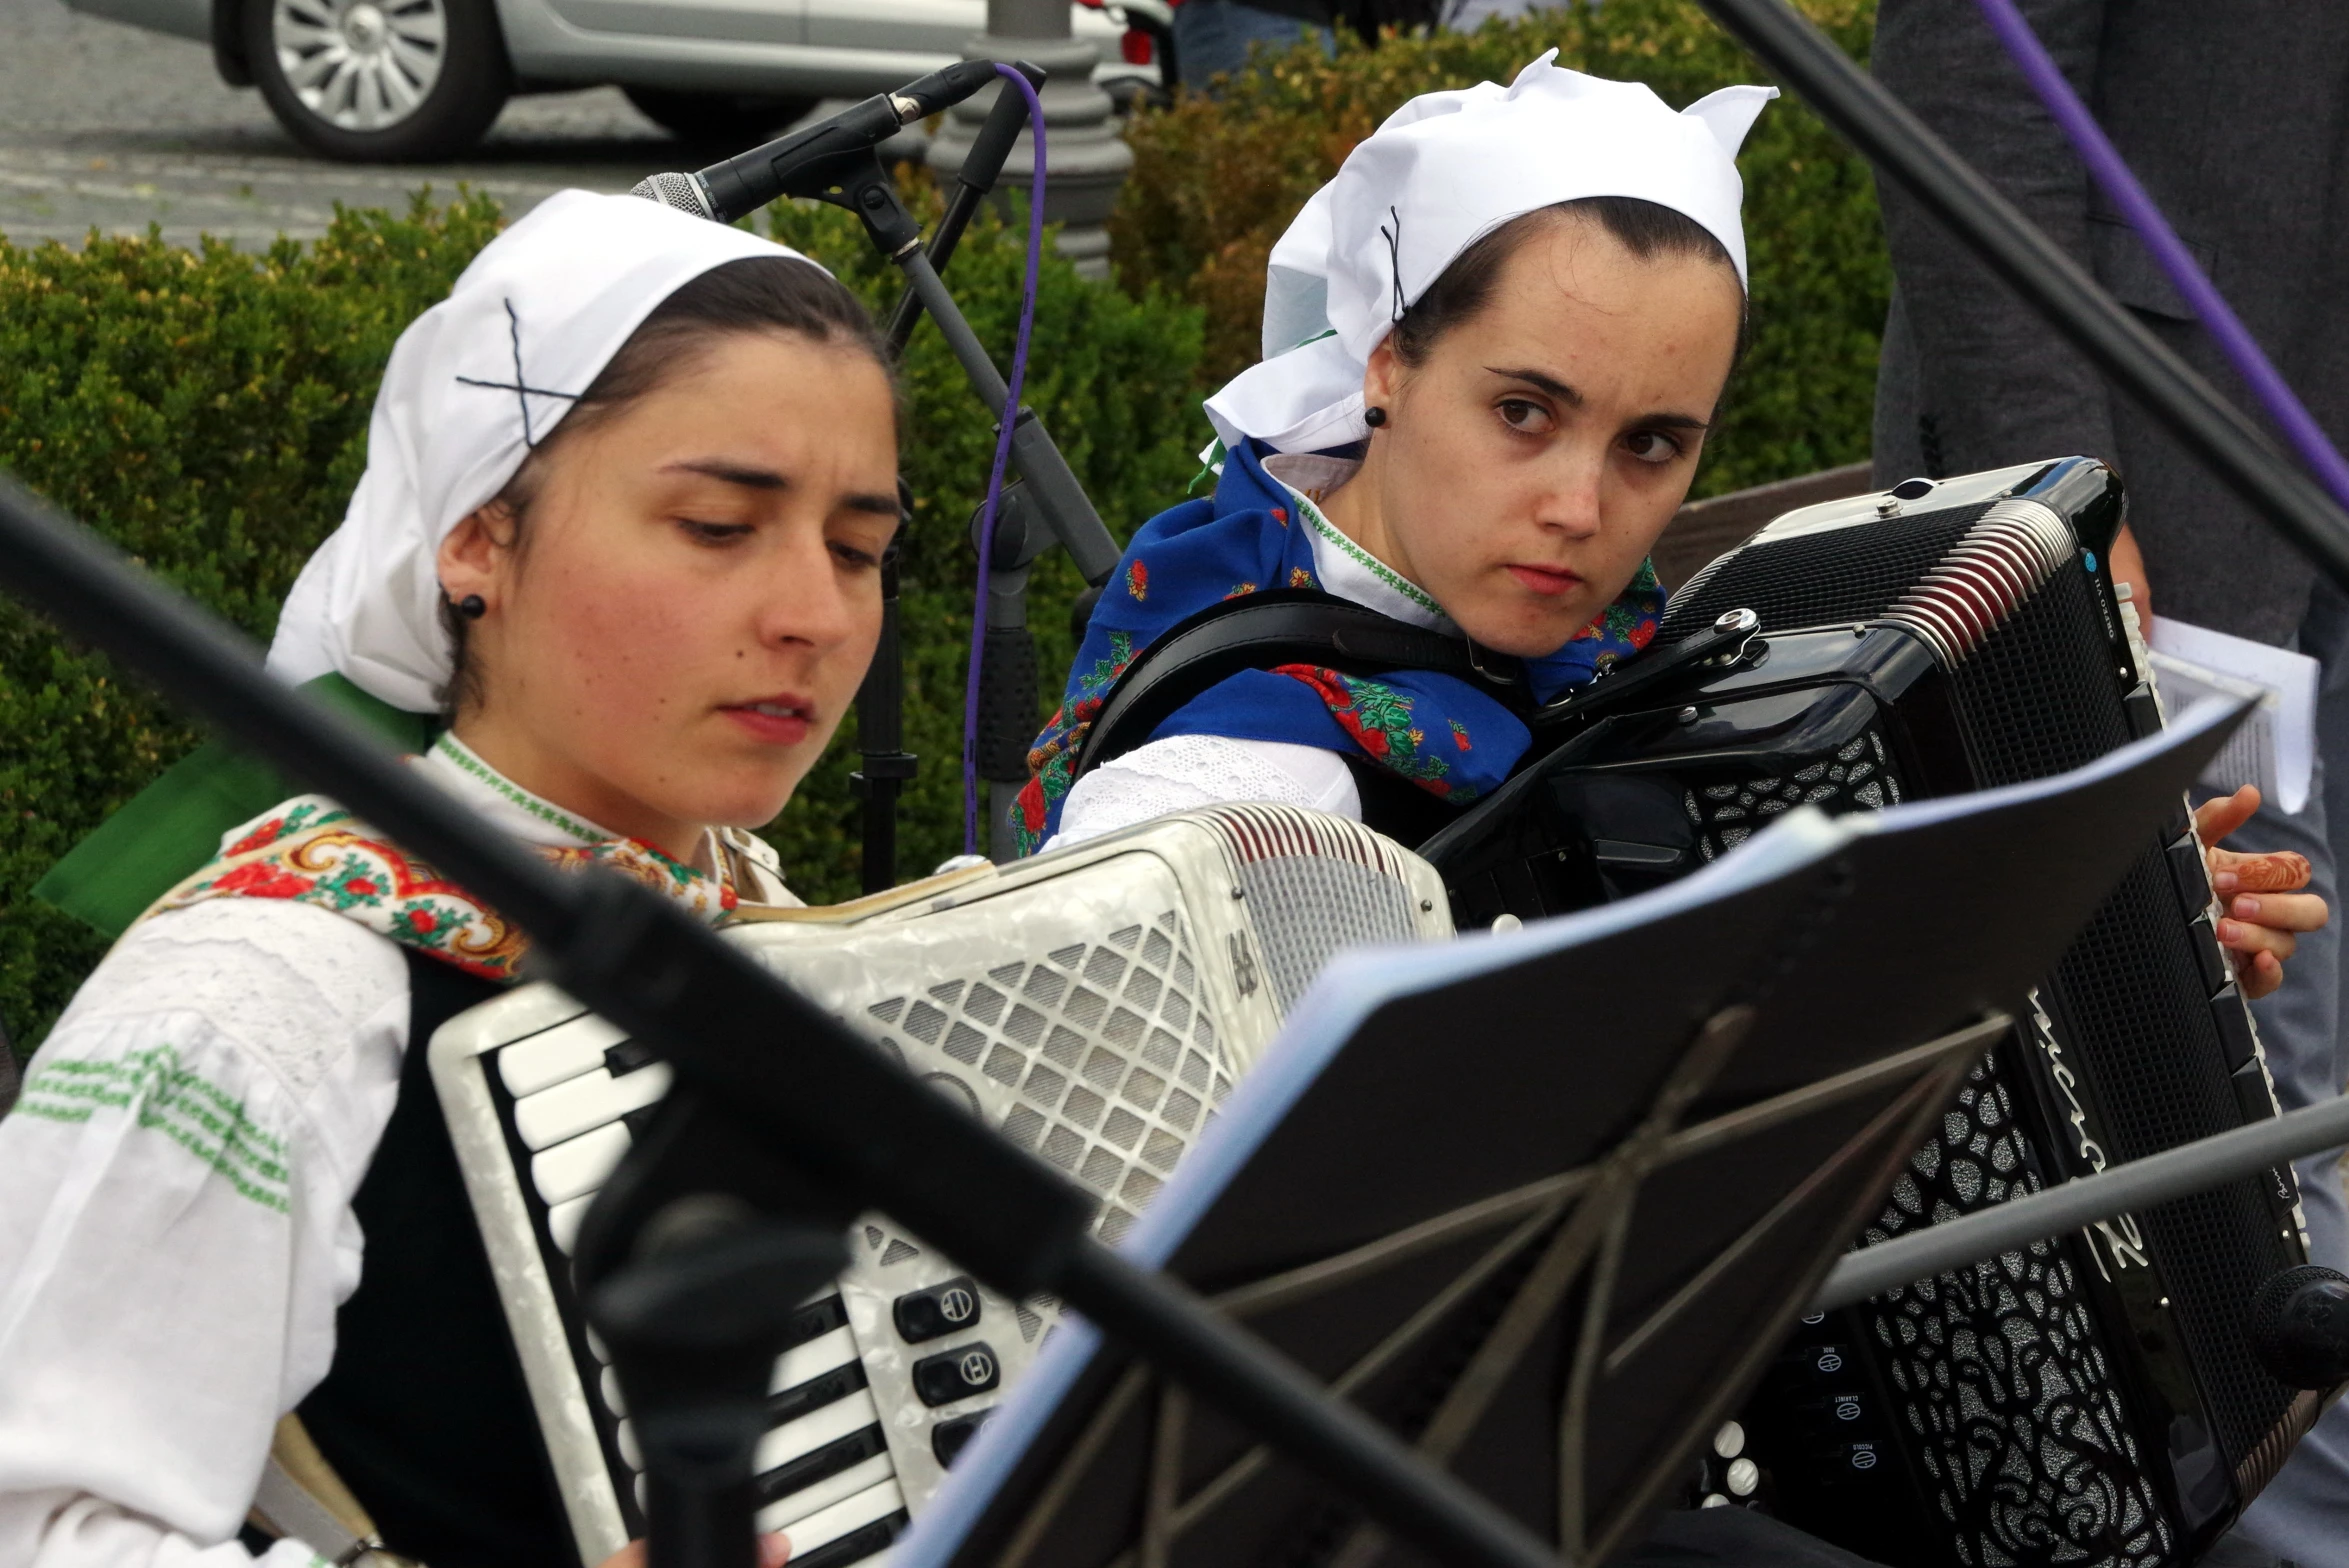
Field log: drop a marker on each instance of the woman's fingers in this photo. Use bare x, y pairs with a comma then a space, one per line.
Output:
2280, 871
2282, 911
2215, 819
2259, 975
2243, 937
774, 1552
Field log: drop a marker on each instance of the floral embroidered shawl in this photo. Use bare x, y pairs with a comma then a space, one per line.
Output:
1439, 732
312, 851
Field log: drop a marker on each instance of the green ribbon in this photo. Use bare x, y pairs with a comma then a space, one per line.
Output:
172, 827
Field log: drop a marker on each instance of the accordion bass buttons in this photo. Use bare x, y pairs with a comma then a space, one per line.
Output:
956, 1374
942, 1309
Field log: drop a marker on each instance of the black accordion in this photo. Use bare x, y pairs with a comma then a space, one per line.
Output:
2089, 1400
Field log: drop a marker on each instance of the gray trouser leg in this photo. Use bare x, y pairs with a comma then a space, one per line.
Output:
2303, 1516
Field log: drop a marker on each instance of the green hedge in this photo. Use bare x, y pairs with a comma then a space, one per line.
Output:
1216, 181
207, 410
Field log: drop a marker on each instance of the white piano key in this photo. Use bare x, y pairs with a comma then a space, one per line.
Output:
812, 1431
825, 1353
629, 1454
611, 1392
785, 1512
576, 1167
562, 1222
852, 1513
589, 1100
545, 1059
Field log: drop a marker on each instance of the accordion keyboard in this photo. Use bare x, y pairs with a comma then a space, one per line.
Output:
1093, 1005
576, 1093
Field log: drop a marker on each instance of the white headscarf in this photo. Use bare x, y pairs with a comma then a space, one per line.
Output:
1445, 170
474, 383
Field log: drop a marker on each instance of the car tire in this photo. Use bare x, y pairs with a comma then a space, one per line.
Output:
380, 81
735, 121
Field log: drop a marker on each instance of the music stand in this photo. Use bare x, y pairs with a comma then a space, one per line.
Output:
1547, 1202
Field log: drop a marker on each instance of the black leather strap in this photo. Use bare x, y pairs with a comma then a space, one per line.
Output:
1261, 631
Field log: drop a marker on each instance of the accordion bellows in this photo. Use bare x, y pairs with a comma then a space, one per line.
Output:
1094, 1004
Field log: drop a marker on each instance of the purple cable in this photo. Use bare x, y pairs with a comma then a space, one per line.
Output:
1011, 409
2218, 318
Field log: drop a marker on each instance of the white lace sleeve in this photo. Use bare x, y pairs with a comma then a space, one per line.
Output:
177, 1233
1185, 772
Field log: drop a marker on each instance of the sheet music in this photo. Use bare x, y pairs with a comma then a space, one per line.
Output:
2276, 747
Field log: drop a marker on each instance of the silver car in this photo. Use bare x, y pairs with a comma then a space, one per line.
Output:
411, 80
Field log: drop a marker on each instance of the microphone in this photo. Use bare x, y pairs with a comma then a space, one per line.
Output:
803, 163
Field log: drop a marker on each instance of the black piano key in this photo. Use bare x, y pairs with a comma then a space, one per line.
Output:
820, 1464
855, 1546
815, 1393
628, 1056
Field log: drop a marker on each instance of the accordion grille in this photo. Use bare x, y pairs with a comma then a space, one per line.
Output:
1316, 885
1106, 1044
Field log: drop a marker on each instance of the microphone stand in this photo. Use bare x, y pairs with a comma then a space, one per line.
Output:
1046, 503
818, 1125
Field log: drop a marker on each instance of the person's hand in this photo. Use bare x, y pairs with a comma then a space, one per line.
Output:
2260, 903
774, 1552
2127, 564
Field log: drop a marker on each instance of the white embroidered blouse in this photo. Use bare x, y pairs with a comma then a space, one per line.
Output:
162, 1303
1185, 772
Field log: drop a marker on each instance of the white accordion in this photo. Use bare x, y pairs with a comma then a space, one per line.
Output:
1094, 1004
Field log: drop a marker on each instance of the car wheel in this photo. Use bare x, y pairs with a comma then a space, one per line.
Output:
735, 121
380, 81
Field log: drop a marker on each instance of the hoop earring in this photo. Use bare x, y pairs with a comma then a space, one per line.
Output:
1374, 416
473, 607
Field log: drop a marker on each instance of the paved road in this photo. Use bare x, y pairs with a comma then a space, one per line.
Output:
108, 127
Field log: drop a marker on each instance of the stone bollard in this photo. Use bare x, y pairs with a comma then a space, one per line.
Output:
1086, 160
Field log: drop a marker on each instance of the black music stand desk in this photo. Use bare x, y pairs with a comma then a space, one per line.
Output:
1546, 1202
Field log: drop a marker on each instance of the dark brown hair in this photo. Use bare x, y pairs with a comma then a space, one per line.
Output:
1644, 228
756, 294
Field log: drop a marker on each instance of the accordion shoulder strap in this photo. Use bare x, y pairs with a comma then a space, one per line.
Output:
301, 1496
1259, 631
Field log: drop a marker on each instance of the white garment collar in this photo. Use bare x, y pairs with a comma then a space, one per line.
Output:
757, 872
1344, 567
533, 819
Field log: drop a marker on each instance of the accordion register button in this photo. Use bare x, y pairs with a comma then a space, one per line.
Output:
950, 1438
956, 1374
2234, 1029
941, 1309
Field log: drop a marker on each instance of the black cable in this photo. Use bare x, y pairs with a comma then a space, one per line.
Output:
1900, 145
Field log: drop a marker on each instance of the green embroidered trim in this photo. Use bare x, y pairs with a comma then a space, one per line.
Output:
1210, 468
1371, 563
450, 747
168, 1098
